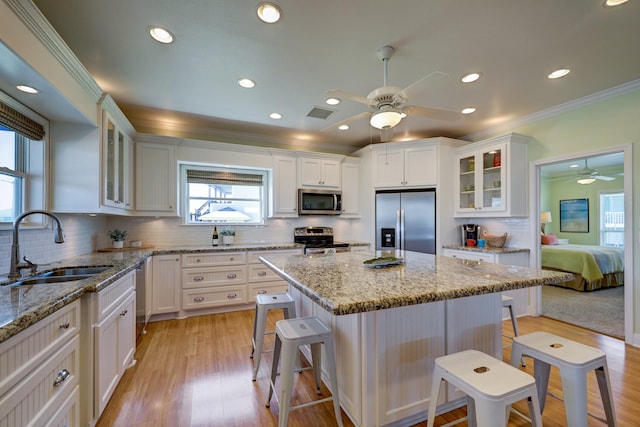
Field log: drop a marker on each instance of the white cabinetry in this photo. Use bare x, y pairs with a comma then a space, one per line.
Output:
412, 164
350, 188
284, 194
214, 279
491, 178
165, 287
115, 321
262, 279
319, 172
156, 183
116, 155
39, 372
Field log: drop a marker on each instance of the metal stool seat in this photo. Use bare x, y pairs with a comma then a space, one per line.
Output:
264, 303
491, 387
291, 334
573, 360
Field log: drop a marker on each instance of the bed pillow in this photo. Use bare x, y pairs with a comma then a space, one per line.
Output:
549, 239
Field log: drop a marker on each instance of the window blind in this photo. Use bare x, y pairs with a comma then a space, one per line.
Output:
219, 177
20, 123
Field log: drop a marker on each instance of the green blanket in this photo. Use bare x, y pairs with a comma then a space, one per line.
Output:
589, 261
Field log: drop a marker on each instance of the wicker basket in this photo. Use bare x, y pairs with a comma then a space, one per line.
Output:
495, 241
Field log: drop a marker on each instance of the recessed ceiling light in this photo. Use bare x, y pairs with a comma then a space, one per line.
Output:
469, 110
161, 35
275, 116
27, 89
469, 78
247, 83
332, 101
559, 73
614, 2
343, 127
269, 13
574, 166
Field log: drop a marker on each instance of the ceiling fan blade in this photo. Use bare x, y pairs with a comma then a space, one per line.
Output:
404, 93
432, 113
603, 178
340, 94
347, 121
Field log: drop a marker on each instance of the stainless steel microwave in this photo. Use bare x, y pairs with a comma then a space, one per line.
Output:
319, 202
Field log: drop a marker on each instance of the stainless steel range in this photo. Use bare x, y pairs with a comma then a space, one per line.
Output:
318, 240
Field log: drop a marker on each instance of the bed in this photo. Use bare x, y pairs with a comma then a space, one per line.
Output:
594, 267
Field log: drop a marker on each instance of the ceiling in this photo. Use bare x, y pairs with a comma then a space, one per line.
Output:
606, 164
189, 88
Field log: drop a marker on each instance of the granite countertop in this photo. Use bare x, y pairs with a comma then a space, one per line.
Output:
342, 284
487, 249
22, 306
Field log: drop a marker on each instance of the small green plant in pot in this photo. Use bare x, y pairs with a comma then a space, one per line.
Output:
117, 238
228, 235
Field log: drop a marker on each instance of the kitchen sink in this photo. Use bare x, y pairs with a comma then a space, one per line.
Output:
75, 271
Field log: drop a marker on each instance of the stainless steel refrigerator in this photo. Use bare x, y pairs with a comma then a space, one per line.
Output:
406, 220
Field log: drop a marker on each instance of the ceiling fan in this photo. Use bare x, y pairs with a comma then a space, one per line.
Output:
388, 103
588, 176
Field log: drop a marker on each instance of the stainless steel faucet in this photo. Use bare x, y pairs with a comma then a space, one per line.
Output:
16, 265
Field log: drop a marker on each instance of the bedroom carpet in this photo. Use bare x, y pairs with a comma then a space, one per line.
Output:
601, 310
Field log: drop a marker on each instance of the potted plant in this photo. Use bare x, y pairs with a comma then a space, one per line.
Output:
117, 238
228, 234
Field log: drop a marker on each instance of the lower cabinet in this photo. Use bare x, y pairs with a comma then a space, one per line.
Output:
165, 285
40, 371
262, 280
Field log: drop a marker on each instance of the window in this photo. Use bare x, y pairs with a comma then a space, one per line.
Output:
612, 219
217, 195
22, 160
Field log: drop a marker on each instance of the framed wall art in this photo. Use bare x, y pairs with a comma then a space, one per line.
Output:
574, 216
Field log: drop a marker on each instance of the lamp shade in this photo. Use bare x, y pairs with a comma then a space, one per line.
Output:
545, 217
386, 118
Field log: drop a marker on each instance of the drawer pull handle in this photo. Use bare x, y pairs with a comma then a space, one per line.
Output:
262, 273
231, 259
198, 299
197, 260
232, 276
262, 292
232, 296
65, 325
124, 312
198, 278
61, 377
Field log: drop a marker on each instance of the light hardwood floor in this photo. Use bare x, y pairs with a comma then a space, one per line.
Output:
197, 372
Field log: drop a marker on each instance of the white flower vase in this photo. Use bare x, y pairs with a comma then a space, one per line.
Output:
117, 244
227, 240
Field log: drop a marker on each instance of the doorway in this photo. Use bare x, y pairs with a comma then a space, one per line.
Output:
581, 180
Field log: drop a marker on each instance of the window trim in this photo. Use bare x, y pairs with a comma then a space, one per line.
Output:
184, 197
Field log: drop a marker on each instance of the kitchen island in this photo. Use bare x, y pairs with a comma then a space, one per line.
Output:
391, 323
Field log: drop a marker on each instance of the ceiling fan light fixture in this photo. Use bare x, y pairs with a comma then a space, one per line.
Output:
585, 181
269, 13
385, 118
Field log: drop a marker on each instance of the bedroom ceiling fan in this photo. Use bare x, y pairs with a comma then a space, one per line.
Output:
589, 176
388, 103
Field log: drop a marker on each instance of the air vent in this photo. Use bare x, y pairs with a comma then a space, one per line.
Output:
320, 113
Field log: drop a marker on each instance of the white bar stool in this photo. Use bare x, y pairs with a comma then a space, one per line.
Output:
264, 303
573, 360
507, 302
291, 334
491, 387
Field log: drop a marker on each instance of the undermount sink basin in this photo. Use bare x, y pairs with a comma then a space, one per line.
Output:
75, 271
51, 279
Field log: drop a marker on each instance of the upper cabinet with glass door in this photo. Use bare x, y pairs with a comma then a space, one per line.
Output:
491, 178
117, 152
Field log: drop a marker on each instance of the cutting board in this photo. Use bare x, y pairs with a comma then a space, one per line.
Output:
128, 248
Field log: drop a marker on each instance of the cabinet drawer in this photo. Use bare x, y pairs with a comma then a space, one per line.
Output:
23, 352
254, 257
67, 415
471, 256
37, 392
261, 273
113, 295
213, 276
214, 259
256, 289
213, 297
